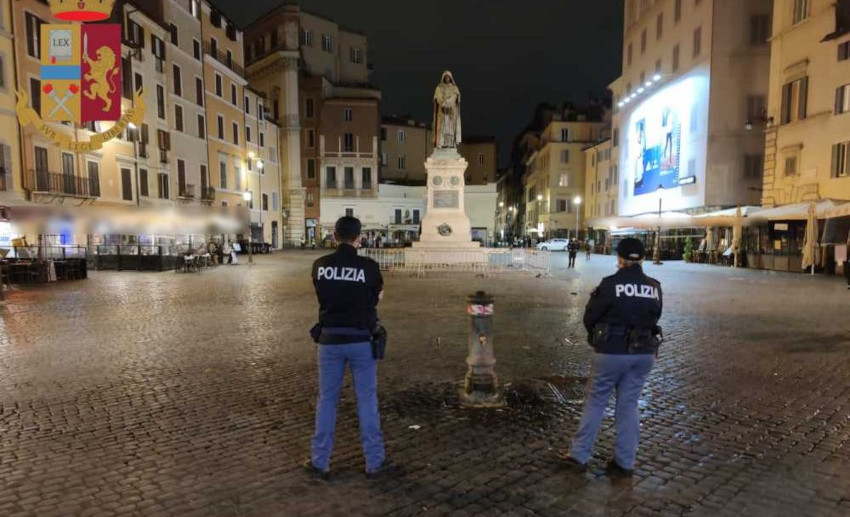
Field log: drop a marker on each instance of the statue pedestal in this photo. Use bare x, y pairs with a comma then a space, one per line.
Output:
446, 232
446, 225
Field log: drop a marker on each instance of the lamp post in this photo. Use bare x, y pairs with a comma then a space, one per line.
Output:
577, 203
247, 197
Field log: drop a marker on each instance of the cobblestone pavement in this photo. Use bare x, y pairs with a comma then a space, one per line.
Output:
178, 394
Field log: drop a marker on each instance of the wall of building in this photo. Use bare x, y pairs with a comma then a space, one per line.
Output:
11, 175
483, 159
410, 150
480, 202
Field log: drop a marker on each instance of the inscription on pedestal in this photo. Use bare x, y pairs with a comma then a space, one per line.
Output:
446, 199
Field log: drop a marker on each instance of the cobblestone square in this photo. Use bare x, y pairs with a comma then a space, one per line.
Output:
193, 394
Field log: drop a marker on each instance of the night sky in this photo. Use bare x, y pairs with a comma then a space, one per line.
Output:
506, 55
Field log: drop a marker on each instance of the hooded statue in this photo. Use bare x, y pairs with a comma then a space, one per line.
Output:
446, 123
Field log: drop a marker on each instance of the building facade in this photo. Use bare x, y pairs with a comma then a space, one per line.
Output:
554, 180
807, 149
482, 154
11, 178
405, 146
687, 130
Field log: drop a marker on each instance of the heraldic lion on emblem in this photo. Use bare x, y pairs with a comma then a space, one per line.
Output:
102, 76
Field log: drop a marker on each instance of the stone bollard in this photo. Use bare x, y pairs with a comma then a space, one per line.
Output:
481, 386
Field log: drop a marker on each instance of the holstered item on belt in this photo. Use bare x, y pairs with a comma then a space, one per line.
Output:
640, 340
316, 332
379, 341
599, 335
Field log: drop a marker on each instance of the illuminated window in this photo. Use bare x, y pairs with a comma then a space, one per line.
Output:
801, 10
564, 180
794, 100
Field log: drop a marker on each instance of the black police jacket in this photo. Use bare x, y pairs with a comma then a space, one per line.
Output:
348, 287
626, 301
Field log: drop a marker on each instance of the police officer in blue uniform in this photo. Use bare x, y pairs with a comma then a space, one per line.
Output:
349, 288
622, 321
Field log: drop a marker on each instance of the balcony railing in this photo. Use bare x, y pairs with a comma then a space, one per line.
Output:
187, 191
44, 182
4, 180
160, 65
208, 193
221, 57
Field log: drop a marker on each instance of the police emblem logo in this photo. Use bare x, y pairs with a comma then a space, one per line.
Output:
80, 75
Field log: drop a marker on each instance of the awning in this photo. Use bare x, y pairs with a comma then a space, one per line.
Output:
839, 211
795, 212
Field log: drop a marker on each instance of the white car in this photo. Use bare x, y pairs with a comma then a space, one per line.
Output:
554, 245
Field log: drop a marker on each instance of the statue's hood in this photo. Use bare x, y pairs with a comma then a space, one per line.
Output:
449, 75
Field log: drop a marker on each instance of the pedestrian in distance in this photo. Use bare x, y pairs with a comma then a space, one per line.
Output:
588, 248
349, 288
572, 249
621, 319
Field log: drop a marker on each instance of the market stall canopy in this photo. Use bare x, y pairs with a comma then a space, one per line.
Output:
794, 212
728, 217
838, 211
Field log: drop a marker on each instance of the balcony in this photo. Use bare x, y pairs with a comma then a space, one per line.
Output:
52, 183
207, 193
187, 191
221, 57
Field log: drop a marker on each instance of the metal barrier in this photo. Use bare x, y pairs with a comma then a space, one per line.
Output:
484, 261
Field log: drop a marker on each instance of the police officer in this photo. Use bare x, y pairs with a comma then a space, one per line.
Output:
621, 318
349, 288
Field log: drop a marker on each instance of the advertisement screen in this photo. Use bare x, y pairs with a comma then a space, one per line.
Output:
664, 139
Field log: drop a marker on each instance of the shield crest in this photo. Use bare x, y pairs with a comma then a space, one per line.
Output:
81, 73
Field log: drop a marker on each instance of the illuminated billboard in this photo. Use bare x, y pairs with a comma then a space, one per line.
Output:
664, 146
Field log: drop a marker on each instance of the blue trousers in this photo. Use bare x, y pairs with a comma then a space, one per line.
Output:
364, 372
626, 374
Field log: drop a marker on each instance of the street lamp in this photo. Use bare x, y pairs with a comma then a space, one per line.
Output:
247, 197
577, 203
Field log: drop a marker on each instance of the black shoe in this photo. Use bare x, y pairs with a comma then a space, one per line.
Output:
614, 470
387, 469
571, 464
316, 472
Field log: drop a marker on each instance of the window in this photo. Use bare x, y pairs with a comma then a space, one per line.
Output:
265, 202
677, 11
163, 186
561, 205
247, 106
349, 177
202, 127
697, 42
218, 86
178, 117
160, 101
135, 33
794, 100
565, 156
330, 178
275, 203
801, 10
310, 108
844, 51
310, 200
205, 182
401, 135
311, 138
791, 165
248, 133
759, 29
93, 170
402, 163
416, 216
139, 82
158, 49
196, 49
841, 160
181, 178
383, 134
263, 139
311, 169
356, 55
126, 184
230, 59
755, 107
659, 26
233, 95
753, 166
366, 176
178, 81
144, 187
306, 38
348, 114
565, 134
348, 143
214, 47
175, 39
676, 58
629, 55
235, 133
195, 8
199, 91
564, 180
397, 216
480, 158
34, 24
220, 127
643, 42
842, 99
327, 43
222, 171
35, 94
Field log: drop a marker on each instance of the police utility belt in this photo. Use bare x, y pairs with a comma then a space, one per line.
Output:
611, 338
377, 337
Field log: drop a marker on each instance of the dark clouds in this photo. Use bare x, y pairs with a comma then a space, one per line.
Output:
507, 55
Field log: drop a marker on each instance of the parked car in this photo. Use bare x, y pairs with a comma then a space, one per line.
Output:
554, 245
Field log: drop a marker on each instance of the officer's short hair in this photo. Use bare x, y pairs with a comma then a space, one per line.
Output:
631, 250
347, 229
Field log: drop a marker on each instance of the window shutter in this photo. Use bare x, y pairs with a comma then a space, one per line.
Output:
7, 165
835, 160
804, 94
786, 100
